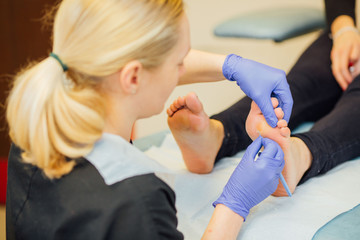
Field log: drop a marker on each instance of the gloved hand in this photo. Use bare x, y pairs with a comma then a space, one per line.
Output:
253, 181
260, 82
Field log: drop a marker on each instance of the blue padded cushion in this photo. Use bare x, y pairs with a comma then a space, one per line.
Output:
276, 24
345, 226
155, 139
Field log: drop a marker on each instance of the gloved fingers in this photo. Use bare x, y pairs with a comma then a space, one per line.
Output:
267, 109
279, 160
253, 148
281, 166
274, 184
271, 149
285, 100
273, 154
280, 153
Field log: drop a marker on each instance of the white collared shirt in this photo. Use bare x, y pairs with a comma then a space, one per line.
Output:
116, 159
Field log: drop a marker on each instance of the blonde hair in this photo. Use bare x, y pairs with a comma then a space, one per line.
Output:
55, 116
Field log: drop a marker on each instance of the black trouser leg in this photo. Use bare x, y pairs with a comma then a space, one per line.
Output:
335, 138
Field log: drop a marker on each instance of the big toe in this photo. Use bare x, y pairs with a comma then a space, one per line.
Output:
193, 103
285, 132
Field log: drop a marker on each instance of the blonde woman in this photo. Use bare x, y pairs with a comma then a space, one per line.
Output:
73, 174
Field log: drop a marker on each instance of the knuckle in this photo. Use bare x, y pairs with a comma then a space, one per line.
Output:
257, 95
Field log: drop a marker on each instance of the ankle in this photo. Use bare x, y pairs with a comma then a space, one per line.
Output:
304, 154
217, 128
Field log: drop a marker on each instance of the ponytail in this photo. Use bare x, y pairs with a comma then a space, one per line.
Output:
51, 120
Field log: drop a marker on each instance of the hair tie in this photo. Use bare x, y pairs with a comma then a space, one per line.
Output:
63, 65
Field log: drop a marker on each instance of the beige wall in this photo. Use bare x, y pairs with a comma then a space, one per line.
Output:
204, 15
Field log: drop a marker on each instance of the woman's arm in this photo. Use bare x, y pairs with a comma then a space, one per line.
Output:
251, 182
258, 81
202, 67
345, 50
346, 40
336, 8
224, 224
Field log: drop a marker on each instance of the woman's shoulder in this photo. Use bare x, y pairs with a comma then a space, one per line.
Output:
86, 179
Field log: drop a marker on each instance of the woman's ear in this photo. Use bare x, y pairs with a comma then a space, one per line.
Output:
130, 77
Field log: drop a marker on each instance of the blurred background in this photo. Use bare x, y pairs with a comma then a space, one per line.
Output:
23, 39
204, 15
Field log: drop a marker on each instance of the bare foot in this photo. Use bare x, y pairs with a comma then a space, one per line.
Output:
198, 137
297, 155
255, 118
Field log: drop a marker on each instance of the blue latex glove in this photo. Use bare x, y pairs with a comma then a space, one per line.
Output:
253, 181
260, 82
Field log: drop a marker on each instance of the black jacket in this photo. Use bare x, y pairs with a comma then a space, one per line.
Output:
81, 206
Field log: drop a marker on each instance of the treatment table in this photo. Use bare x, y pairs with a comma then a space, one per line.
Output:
324, 207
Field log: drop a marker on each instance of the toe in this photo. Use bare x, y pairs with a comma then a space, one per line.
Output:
282, 123
173, 108
169, 112
285, 132
279, 113
177, 103
193, 103
274, 102
181, 101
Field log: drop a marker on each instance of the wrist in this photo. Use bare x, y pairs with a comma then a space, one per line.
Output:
224, 224
229, 66
343, 30
342, 24
237, 206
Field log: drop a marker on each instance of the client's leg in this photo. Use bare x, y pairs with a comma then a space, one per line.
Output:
297, 155
336, 137
312, 84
